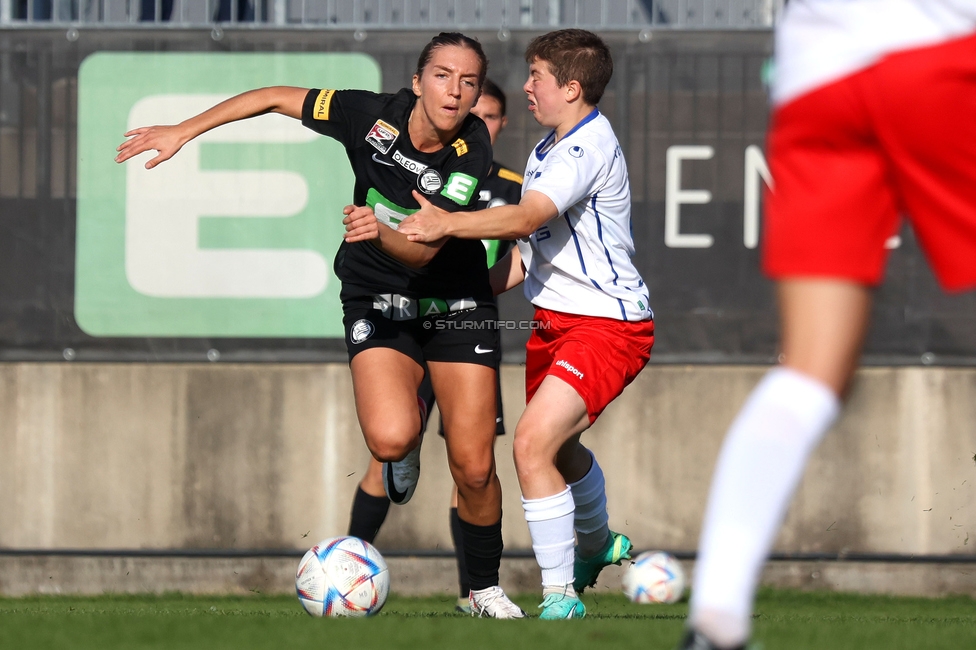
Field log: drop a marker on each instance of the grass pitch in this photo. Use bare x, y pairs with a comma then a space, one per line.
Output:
787, 620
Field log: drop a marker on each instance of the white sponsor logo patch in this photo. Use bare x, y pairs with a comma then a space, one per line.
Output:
409, 164
361, 330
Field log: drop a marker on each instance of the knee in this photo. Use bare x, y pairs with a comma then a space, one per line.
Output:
389, 445
530, 450
475, 476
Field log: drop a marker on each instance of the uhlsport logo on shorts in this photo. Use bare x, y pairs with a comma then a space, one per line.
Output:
572, 369
227, 237
361, 330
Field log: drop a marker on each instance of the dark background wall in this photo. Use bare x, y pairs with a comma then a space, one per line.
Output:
669, 89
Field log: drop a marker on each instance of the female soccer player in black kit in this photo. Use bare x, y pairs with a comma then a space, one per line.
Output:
405, 304
502, 186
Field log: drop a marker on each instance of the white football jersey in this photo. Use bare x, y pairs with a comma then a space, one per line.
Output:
579, 262
821, 41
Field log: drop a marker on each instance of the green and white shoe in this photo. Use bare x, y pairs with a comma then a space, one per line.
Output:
558, 607
586, 569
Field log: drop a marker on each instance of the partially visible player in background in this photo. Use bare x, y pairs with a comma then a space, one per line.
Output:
502, 186
594, 325
874, 105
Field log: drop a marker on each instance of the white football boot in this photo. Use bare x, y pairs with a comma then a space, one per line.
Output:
493, 603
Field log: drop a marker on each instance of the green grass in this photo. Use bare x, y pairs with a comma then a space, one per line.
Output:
788, 620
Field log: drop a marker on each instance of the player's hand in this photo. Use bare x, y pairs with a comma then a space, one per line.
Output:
166, 140
428, 224
361, 223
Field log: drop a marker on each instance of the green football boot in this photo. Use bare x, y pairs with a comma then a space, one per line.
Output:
557, 607
586, 569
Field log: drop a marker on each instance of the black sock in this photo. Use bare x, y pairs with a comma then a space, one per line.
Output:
464, 583
482, 547
368, 514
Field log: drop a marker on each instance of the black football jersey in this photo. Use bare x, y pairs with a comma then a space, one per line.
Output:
373, 129
502, 187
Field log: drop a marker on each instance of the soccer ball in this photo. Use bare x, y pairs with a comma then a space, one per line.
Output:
654, 577
342, 576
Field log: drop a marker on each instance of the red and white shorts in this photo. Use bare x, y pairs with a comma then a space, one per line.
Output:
847, 159
598, 357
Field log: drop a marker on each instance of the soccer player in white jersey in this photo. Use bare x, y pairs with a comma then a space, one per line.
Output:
595, 326
873, 117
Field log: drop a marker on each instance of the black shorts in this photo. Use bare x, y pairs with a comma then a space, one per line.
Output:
469, 335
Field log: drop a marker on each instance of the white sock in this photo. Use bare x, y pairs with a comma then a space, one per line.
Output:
561, 590
550, 522
759, 467
591, 519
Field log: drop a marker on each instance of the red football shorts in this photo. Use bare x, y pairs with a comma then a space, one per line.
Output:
847, 159
598, 357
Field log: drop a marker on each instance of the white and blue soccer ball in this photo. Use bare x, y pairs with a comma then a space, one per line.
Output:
654, 577
342, 576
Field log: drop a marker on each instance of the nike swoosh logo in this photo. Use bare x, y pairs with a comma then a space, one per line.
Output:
395, 495
479, 350
381, 161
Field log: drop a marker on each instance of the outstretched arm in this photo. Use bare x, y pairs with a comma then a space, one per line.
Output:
430, 223
167, 140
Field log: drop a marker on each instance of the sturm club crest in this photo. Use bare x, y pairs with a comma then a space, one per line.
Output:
430, 182
361, 330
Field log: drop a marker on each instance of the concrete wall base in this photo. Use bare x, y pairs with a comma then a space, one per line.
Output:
26, 575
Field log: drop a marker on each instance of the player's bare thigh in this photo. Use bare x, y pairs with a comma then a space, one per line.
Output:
823, 323
385, 383
555, 416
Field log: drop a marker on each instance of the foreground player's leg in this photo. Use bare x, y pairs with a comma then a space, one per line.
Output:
553, 420
466, 395
766, 450
388, 386
463, 605
597, 546
370, 505
385, 385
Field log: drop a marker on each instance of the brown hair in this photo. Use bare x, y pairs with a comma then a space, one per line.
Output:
453, 38
491, 89
575, 54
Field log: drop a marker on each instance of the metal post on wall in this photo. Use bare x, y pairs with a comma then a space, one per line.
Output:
6, 11
280, 12
43, 161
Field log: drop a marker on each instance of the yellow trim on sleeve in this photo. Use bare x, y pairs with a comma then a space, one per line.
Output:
509, 175
322, 103
460, 146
